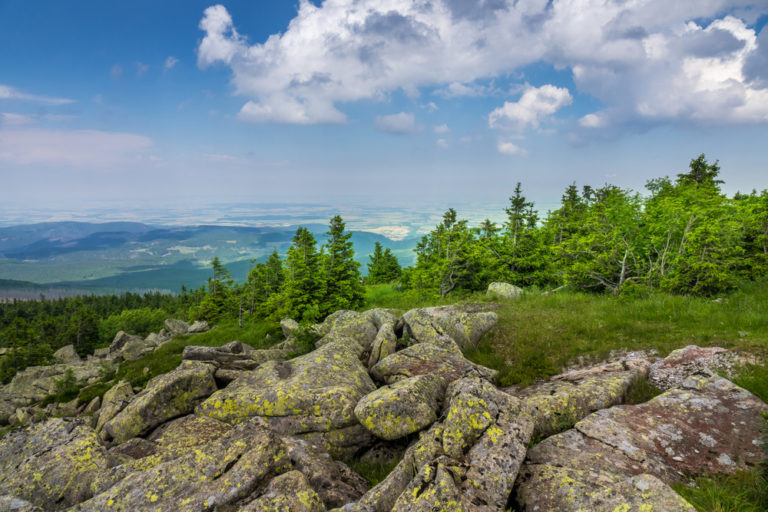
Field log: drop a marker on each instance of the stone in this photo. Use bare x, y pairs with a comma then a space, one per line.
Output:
671, 371
136, 348
198, 326
426, 325
14, 504
402, 408
36, 382
445, 360
7, 409
214, 476
384, 345
289, 326
165, 397
121, 339
289, 492
67, 355
567, 398
93, 406
316, 392
136, 448
52, 464
113, 402
347, 325
176, 327
504, 291
232, 356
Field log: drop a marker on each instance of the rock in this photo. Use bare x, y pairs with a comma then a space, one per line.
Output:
66, 355
347, 325
93, 406
136, 448
568, 489
136, 348
176, 327
14, 504
288, 326
384, 453
114, 401
316, 392
570, 397
121, 339
504, 291
384, 345
340, 443
36, 382
671, 371
400, 409
52, 464
233, 356
198, 326
101, 353
153, 339
7, 409
214, 476
165, 397
445, 360
289, 492
465, 328
707, 426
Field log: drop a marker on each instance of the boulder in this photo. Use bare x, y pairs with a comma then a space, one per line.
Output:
289, 326
233, 356
443, 359
384, 345
316, 392
66, 355
671, 371
402, 408
7, 409
176, 327
344, 325
569, 397
136, 448
114, 401
289, 492
504, 291
198, 326
14, 504
52, 464
36, 382
165, 397
121, 339
136, 348
214, 476
707, 426
463, 325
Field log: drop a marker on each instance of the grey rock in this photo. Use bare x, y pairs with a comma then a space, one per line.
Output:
504, 291
67, 355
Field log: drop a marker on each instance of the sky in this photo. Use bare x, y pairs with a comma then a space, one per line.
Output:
376, 102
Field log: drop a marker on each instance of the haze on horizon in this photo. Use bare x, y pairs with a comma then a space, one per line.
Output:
373, 102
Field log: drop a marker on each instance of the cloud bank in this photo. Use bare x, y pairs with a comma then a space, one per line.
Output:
646, 61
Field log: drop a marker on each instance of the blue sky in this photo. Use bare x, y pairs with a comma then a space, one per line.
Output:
442, 102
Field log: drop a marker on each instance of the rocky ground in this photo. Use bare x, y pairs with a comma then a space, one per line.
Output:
238, 429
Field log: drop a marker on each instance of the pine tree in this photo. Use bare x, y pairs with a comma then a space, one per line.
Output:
303, 291
383, 267
343, 286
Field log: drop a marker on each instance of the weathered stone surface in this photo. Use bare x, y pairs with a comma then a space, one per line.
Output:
384, 345
567, 489
136, 448
341, 443
445, 360
67, 355
7, 409
51, 464
402, 408
316, 392
671, 371
334, 481
220, 473
36, 382
176, 327
570, 397
465, 328
198, 326
504, 291
121, 339
289, 492
288, 326
233, 356
165, 397
347, 325
114, 401
136, 348
13, 504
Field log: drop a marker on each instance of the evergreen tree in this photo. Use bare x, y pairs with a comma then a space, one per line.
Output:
383, 267
304, 288
264, 282
343, 281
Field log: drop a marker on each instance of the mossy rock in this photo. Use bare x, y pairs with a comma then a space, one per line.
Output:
426, 325
289, 492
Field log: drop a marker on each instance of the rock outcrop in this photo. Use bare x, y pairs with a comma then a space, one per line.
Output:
504, 291
671, 371
465, 325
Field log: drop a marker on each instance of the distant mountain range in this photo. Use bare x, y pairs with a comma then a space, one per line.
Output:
122, 256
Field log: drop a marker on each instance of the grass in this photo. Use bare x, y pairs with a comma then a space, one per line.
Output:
640, 391
374, 473
746, 491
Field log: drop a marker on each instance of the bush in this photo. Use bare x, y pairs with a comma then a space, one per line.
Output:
140, 322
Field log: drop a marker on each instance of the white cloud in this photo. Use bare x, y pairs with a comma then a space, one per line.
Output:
77, 148
535, 105
646, 61
11, 119
11, 93
442, 128
141, 68
400, 123
442, 143
116, 72
508, 148
170, 62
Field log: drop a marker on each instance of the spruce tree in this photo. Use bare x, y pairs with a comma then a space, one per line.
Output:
303, 291
383, 267
343, 286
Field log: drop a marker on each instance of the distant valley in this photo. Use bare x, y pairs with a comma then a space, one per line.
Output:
68, 258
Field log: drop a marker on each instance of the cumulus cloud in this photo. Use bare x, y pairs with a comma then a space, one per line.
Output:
536, 104
649, 61
442, 143
442, 128
508, 148
170, 62
11, 93
78, 148
400, 123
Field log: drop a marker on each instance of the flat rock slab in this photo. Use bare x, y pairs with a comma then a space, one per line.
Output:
671, 371
52, 464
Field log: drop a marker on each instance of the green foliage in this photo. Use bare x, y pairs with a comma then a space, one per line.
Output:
67, 389
304, 285
383, 267
139, 322
640, 391
745, 491
754, 378
343, 283
306, 339
374, 473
